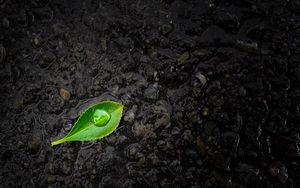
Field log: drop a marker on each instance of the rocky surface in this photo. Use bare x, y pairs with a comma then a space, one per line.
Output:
210, 88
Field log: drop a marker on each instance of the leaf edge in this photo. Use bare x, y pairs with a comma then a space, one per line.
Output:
65, 138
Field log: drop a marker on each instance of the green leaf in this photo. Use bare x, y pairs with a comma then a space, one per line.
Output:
96, 122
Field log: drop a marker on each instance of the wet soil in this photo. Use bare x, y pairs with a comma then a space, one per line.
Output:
210, 88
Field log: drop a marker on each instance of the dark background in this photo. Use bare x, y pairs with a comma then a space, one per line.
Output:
210, 88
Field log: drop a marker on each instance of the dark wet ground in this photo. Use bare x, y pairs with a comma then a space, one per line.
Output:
211, 92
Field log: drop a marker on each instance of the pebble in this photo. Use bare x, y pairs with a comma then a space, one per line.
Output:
242, 92
201, 78
247, 168
109, 149
164, 121
187, 135
132, 150
151, 175
65, 94
151, 92
153, 159
121, 139
36, 42
250, 46
140, 130
205, 112
35, 142
58, 29
175, 131
103, 44
51, 179
176, 94
191, 154
202, 53
166, 29
238, 124
165, 183
183, 58
130, 114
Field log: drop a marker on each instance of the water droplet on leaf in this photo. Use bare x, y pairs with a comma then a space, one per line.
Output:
100, 117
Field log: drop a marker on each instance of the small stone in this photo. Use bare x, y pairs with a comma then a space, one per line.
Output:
5, 23
140, 130
205, 112
165, 183
103, 44
164, 121
58, 29
51, 179
183, 58
201, 78
274, 171
121, 139
65, 94
153, 158
152, 175
176, 94
247, 168
155, 75
187, 135
79, 48
242, 92
132, 150
130, 115
199, 162
36, 42
151, 92
111, 140
191, 154
115, 89
247, 45
166, 29
34, 142
175, 131
202, 53
239, 123
109, 149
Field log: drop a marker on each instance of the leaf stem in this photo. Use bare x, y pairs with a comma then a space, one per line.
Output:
58, 142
